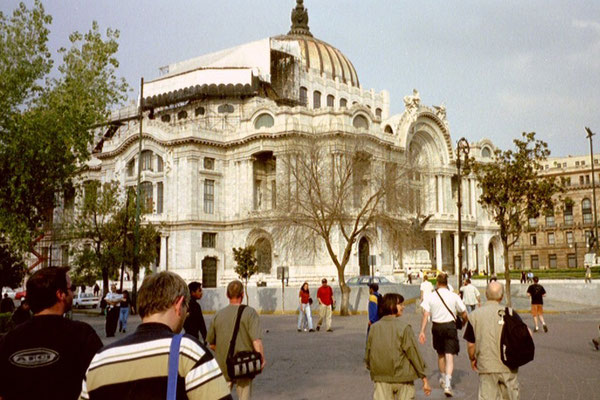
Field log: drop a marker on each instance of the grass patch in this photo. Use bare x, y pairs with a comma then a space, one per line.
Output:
570, 273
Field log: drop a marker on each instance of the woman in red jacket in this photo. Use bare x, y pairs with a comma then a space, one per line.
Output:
304, 315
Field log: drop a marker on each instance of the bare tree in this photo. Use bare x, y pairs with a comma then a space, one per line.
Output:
335, 189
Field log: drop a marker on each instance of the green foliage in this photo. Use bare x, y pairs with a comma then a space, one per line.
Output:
45, 121
12, 267
246, 262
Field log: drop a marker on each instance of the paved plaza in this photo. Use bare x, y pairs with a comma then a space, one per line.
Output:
330, 365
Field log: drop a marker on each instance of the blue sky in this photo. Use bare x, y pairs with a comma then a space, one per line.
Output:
501, 67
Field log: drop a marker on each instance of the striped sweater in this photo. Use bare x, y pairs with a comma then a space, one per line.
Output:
136, 367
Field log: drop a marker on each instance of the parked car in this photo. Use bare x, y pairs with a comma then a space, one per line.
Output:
82, 300
20, 294
10, 292
367, 279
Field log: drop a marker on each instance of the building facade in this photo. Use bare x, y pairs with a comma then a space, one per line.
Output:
215, 129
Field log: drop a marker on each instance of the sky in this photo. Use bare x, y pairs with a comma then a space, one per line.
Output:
501, 67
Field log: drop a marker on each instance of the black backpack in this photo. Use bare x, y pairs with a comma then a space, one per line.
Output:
516, 344
379, 306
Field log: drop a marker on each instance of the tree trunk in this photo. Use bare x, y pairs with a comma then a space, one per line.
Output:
345, 289
246, 291
506, 273
134, 289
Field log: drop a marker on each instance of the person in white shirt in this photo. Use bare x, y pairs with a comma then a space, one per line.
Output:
426, 287
470, 296
444, 307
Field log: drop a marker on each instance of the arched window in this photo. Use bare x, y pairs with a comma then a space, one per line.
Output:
165, 118
486, 153
182, 114
388, 129
303, 96
263, 255
586, 211
199, 111
360, 122
131, 167
378, 112
146, 160
264, 121
225, 109
343, 103
316, 99
330, 100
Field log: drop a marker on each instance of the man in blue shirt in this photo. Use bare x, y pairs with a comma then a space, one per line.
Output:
374, 298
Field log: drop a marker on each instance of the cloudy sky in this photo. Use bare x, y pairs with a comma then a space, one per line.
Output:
501, 67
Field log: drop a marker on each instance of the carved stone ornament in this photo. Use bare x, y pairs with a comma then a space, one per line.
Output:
300, 20
412, 103
440, 111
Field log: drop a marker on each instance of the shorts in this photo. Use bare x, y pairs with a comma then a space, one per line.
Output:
445, 338
537, 309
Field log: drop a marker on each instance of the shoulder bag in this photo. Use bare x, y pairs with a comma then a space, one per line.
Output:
457, 320
173, 367
243, 364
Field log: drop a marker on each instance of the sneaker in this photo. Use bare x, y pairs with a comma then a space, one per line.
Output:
318, 327
330, 330
536, 329
545, 329
448, 391
442, 383
299, 330
596, 344
311, 330
305, 330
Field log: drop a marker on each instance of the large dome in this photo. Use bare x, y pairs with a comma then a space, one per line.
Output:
323, 58
315, 54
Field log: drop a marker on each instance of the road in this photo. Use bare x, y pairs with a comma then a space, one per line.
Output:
326, 365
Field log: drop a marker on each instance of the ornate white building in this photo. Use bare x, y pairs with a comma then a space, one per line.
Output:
213, 129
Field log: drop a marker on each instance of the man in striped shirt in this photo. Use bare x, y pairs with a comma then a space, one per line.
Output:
137, 365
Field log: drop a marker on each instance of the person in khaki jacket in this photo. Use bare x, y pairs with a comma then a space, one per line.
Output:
392, 356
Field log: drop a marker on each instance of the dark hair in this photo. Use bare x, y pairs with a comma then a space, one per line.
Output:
374, 286
536, 279
125, 294
302, 287
193, 286
389, 303
442, 279
324, 280
160, 291
43, 285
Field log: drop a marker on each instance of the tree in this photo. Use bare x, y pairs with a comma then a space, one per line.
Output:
513, 190
12, 267
335, 190
246, 264
46, 121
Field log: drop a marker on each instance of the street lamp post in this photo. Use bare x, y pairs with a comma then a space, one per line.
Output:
589, 136
462, 149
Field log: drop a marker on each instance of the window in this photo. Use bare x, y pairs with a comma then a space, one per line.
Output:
159, 164
209, 163
209, 240
583, 162
587, 179
586, 211
486, 153
535, 262
533, 239
552, 261
209, 196
131, 167
165, 118
550, 221
199, 111
343, 103
568, 214
569, 237
517, 262
146, 196
564, 165
316, 99
69, 197
581, 179
360, 122
330, 100
225, 109
378, 112
577, 163
388, 129
551, 239
146, 160
182, 114
159, 197
303, 96
264, 121
533, 222
571, 260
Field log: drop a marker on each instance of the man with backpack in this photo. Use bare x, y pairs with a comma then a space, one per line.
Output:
486, 347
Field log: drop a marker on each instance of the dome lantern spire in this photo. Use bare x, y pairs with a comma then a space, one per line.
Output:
300, 20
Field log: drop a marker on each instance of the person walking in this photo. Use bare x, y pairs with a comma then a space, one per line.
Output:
537, 293
7, 305
138, 365
483, 333
96, 290
248, 338
304, 311
470, 296
373, 308
124, 307
326, 303
426, 288
392, 357
113, 302
523, 277
444, 307
588, 274
46, 357
194, 324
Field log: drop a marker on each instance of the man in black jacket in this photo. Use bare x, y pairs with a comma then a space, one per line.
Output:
194, 323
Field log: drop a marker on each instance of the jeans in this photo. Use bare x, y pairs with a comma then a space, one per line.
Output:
304, 315
123, 318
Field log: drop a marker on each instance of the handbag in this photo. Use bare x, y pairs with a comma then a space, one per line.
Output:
173, 367
457, 320
243, 364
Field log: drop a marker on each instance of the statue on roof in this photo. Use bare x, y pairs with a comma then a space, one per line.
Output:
300, 20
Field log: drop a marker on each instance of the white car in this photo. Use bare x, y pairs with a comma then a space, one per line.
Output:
82, 300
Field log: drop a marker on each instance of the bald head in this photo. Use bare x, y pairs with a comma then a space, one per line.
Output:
494, 291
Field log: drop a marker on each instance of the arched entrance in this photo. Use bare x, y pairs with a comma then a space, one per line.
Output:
363, 256
263, 255
209, 272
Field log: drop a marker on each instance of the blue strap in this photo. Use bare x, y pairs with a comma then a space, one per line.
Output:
173, 367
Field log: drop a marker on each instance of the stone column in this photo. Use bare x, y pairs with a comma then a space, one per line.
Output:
456, 247
440, 194
194, 187
438, 251
470, 251
163, 253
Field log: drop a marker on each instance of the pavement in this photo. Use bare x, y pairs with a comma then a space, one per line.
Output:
330, 365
